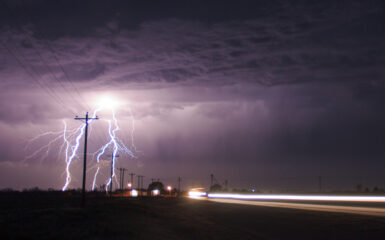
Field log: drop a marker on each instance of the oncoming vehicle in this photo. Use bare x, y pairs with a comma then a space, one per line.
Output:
197, 193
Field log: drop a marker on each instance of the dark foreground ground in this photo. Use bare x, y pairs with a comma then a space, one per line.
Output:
57, 216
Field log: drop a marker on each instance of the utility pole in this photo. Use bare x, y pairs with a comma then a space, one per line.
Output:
112, 170
132, 179
83, 203
120, 177
179, 180
226, 184
211, 180
123, 185
121, 174
139, 182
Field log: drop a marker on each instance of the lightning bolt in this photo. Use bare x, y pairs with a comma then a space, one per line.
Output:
101, 151
116, 145
46, 149
74, 150
132, 130
71, 140
69, 159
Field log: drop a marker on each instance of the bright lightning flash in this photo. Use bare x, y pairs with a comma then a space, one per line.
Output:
72, 140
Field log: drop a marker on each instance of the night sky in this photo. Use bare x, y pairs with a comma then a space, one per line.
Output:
265, 94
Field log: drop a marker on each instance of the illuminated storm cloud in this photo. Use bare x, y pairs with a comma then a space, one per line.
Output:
274, 94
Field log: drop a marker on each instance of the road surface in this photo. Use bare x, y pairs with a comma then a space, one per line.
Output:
372, 211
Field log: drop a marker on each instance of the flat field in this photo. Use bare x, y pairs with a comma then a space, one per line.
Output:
56, 215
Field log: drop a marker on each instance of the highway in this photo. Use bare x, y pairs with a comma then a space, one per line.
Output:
364, 205
372, 211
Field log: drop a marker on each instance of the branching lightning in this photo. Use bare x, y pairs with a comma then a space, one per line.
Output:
71, 141
116, 145
71, 151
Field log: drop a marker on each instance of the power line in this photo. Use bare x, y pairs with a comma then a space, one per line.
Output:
10, 11
55, 56
34, 75
65, 73
44, 86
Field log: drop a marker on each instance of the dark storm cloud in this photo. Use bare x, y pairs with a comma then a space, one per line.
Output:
276, 48
253, 82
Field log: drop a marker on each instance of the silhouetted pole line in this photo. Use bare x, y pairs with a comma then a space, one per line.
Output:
132, 179
179, 180
120, 177
83, 203
123, 185
140, 183
121, 172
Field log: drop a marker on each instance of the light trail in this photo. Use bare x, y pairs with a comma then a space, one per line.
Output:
197, 193
299, 197
371, 211
280, 201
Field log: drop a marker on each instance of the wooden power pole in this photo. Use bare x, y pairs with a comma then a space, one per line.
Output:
83, 203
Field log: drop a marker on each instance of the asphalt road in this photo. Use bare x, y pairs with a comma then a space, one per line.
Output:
371, 211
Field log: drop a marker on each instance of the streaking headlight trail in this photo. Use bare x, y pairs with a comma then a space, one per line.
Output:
363, 205
298, 197
193, 194
197, 193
